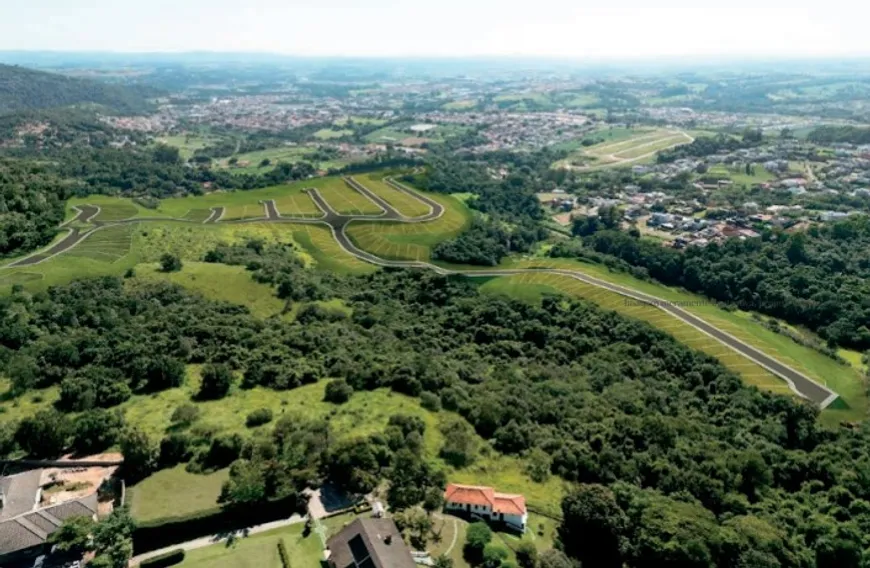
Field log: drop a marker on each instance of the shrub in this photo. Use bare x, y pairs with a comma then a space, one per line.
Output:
185, 415
258, 417
282, 552
216, 382
338, 391
170, 558
430, 401
170, 263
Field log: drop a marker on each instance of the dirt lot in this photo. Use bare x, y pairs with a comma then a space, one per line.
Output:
62, 484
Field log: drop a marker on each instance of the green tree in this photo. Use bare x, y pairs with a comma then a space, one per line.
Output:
493, 556
170, 263
591, 514
527, 554
74, 535
477, 537
113, 540
140, 453
554, 559
45, 434
216, 381
96, 431
443, 561
246, 485
338, 391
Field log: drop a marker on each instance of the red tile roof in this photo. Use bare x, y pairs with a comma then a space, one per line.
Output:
482, 496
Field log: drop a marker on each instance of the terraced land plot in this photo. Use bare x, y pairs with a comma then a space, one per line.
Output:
751, 372
652, 146
297, 205
318, 242
410, 241
198, 215
108, 245
404, 203
346, 200
123, 209
244, 211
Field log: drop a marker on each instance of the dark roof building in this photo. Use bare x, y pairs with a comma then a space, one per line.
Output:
19, 493
26, 534
369, 543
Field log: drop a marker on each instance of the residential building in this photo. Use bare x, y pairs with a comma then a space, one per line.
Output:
485, 503
369, 543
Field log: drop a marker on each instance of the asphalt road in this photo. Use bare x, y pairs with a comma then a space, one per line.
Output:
798, 382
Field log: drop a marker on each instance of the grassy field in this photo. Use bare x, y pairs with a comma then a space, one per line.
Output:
219, 282
411, 241
465, 104
109, 244
187, 144
181, 493
259, 551
739, 175
329, 133
623, 146
359, 120
319, 243
346, 200
249, 162
842, 378
401, 201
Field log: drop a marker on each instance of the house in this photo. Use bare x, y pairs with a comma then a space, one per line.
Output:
26, 535
485, 503
369, 543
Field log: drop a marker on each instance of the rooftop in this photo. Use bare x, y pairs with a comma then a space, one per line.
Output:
369, 543
506, 503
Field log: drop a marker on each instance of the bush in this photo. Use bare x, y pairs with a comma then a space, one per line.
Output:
169, 559
258, 417
430, 401
282, 552
185, 415
170, 263
216, 382
338, 391
477, 537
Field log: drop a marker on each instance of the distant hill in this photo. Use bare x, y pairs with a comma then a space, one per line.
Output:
25, 89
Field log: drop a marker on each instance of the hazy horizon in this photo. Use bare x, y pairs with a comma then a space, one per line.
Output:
551, 29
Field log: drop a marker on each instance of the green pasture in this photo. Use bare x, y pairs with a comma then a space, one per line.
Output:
358, 120
388, 134
187, 144
465, 104
739, 176
410, 241
402, 202
249, 162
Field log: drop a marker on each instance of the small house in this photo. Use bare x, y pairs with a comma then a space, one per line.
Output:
485, 503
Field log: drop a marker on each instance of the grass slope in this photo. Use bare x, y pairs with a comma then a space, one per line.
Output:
411, 241
401, 201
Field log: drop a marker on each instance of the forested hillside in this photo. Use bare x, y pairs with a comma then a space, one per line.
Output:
26, 89
697, 468
818, 278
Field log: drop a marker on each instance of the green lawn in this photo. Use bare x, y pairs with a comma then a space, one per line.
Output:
739, 175
259, 551
174, 492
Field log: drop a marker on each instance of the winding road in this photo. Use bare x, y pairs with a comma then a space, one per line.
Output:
799, 383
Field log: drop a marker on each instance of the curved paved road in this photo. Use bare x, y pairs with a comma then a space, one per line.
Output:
797, 382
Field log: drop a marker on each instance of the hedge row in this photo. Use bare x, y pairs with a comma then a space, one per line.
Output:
282, 552
171, 558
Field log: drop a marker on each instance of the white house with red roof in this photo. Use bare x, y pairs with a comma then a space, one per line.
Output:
485, 503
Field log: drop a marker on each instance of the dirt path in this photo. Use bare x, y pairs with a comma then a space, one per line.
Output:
799, 383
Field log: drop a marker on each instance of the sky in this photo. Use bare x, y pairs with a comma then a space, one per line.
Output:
573, 29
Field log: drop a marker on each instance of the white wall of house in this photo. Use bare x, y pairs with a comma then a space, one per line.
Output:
482, 510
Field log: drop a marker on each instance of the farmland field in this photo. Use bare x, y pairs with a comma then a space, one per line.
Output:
401, 201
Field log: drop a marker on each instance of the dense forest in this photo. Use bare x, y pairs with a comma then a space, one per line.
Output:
818, 278
26, 89
31, 205
679, 463
840, 134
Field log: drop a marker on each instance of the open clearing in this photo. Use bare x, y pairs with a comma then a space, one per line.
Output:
623, 147
410, 241
401, 201
182, 494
